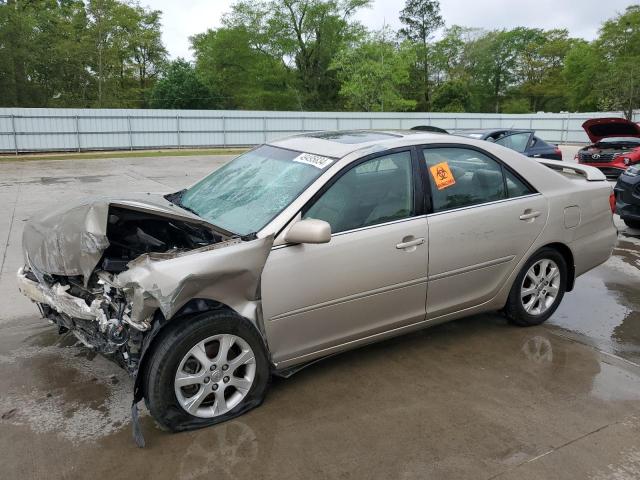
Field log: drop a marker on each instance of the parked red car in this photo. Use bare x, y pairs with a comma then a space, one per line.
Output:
616, 145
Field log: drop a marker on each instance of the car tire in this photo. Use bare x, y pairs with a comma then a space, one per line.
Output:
179, 357
538, 289
632, 223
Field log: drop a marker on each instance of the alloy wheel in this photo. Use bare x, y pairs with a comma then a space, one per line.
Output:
215, 375
540, 287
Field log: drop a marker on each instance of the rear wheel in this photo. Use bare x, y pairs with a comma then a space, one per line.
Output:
207, 369
632, 223
538, 289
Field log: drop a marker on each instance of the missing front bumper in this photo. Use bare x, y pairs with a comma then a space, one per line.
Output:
58, 299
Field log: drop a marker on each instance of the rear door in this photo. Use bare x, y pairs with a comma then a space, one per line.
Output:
484, 219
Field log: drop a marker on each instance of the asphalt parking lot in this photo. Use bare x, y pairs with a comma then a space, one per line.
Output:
475, 398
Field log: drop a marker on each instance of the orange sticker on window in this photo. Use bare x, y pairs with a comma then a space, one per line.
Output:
442, 175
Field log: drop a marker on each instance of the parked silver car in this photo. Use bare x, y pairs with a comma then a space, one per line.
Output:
306, 247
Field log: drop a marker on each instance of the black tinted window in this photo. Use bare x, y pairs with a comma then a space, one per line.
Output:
377, 191
461, 177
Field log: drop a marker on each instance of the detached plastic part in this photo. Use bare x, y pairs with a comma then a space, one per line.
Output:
138, 437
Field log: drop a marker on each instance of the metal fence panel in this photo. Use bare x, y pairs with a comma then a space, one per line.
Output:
49, 129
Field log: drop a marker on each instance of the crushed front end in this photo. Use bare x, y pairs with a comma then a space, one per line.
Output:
74, 256
98, 314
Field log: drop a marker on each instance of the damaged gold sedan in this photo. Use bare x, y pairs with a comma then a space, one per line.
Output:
304, 248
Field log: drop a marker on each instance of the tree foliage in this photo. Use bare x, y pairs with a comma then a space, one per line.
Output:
181, 88
102, 53
421, 18
374, 73
304, 35
309, 55
241, 75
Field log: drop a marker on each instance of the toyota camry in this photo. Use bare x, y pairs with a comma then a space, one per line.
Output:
306, 247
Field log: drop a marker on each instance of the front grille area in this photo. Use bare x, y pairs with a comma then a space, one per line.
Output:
595, 157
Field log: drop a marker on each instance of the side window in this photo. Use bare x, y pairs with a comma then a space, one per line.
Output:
462, 177
377, 191
517, 141
515, 186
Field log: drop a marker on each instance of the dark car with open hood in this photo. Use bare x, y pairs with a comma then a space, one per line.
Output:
615, 145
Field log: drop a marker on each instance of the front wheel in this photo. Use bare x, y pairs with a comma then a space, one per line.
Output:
538, 289
206, 369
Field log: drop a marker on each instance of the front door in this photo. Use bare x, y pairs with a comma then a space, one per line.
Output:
369, 278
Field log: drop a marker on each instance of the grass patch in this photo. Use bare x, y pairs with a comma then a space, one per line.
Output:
122, 154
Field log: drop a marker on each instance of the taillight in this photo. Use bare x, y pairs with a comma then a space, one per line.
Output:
559, 152
612, 202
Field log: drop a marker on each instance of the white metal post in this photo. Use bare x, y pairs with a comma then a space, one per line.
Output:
78, 132
15, 134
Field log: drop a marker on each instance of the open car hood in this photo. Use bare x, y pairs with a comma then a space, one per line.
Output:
599, 128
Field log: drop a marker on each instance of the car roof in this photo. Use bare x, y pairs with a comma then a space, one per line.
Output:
339, 143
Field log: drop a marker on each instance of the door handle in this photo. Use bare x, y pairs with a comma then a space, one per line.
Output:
529, 215
410, 243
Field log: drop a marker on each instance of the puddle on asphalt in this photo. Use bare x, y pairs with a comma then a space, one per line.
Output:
59, 180
64, 388
616, 383
604, 307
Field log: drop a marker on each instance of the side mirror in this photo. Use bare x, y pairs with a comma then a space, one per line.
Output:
309, 230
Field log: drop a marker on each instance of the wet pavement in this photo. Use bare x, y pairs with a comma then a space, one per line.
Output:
475, 398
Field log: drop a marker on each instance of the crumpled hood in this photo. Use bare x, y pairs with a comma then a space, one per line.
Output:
70, 240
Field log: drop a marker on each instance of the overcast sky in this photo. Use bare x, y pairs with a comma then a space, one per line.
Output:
183, 18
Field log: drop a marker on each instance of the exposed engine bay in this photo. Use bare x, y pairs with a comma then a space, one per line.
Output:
133, 233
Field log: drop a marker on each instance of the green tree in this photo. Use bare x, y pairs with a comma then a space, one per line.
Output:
452, 96
180, 88
580, 71
305, 36
421, 18
538, 69
148, 54
243, 76
373, 74
496, 55
125, 51
619, 46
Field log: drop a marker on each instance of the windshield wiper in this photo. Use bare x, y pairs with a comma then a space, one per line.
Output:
176, 199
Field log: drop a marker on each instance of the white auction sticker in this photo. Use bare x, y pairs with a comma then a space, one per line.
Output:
317, 161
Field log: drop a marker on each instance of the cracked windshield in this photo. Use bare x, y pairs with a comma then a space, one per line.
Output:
246, 194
